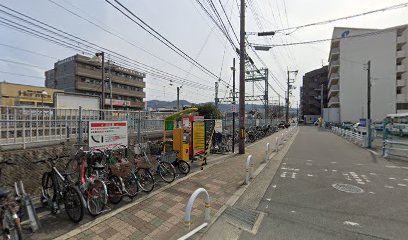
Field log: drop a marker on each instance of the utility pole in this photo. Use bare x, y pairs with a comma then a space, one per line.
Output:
368, 122
297, 111
102, 54
234, 104
321, 100
287, 100
242, 80
216, 100
279, 108
178, 99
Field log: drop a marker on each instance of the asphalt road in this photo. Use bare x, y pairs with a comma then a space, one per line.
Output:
301, 202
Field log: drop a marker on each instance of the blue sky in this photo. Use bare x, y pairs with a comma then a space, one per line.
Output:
187, 26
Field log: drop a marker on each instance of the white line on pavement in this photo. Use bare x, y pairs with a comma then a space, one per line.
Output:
373, 152
354, 224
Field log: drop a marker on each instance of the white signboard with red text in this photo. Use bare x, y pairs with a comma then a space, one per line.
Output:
107, 133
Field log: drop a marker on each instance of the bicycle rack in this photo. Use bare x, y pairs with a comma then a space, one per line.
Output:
249, 166
32, 214
187, 217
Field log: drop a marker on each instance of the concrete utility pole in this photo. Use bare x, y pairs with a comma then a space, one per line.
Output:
368, 122
321, 100
178, 99
242, 80
110, 85
287, 100
234, 103
216, 100
102, 54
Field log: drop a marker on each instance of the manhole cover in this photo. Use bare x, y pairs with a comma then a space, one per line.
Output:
347, 188
245, 218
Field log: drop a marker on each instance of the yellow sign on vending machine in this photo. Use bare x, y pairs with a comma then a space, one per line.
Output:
198, 137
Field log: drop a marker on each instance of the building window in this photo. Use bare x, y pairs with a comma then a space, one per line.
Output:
401, 106
398, 91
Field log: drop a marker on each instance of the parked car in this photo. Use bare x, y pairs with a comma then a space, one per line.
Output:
347, 125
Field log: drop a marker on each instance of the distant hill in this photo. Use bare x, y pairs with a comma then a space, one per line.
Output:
166, 104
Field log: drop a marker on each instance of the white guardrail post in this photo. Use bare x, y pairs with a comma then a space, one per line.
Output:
187, 216
248, 169
266, 152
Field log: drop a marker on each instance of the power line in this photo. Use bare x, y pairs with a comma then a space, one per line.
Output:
29, 51
160, 37
77, 42
21, 75
398, 6
21, 63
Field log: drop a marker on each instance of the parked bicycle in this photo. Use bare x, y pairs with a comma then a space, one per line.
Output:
57, 189
10, 225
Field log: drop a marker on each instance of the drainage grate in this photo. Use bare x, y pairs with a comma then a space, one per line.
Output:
244, 218
347, 188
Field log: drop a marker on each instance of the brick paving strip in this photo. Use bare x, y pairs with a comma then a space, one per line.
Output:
160, 215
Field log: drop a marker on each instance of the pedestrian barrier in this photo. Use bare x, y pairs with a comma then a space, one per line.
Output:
249, 167
355, 137
187, 217
266, 152
395, 148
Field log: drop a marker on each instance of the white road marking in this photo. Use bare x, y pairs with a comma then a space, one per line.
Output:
405, 179
371, 192
309, 160
386, 186
354, 224
310, 175
404, 167
333, 162
392, 178
392, 166
268, 199
293, 211
373, 152
368, 181
283, 174
274, 186
326, 170
284, 163
402, 185
334, 170
266, 206
293, 175
361, 183
359, 164
373, 173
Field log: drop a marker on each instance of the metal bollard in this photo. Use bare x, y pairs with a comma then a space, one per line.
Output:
248, 169
276, 144
266, 152
187, 216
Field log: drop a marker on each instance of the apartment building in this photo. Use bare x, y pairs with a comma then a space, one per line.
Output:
313, 82
350, 50
78, 74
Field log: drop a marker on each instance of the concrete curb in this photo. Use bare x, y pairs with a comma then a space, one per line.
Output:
234, 198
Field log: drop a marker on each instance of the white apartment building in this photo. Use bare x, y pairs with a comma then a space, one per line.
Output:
350, 51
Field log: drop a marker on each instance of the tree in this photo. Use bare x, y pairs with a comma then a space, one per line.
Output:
209, 111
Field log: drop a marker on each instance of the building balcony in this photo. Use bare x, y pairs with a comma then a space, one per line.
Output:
401, 98
334, 66
333, 79
400, 68
83, 86
96, 74
401, 54
401, 41
124, 103
334, 90
334, 101
401, 83
335, 51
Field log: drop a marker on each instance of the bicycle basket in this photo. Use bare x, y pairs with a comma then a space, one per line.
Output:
122, 169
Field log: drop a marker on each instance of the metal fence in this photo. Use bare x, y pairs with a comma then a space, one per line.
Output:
357, 138
29, 125
23, 125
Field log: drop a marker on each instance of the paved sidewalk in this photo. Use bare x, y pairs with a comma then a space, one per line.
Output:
161, 216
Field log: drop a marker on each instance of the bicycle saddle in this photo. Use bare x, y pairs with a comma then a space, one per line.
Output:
4, 193
98, 166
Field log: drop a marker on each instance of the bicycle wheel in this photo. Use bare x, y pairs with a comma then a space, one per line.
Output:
11, 226
131, 186
145, 180
96, 197
74, 207
49, 186
114, 189
166, 172
73, 166
183, 167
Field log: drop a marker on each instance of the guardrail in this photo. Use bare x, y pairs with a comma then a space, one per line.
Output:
395, 148
355, 137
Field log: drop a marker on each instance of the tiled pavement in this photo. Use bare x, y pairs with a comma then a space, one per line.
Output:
162, 215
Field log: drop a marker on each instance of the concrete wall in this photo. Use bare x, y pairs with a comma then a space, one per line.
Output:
380, 48
331, 115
